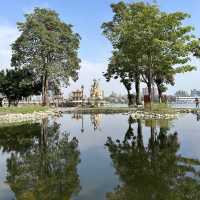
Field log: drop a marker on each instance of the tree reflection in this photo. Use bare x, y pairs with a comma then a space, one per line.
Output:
154, 172
18, 137
47, 168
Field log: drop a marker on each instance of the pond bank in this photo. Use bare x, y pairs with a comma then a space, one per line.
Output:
88, 110
144, 115
135, 113
35, 117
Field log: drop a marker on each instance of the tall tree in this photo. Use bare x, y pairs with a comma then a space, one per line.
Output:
165, 40
49, 47
150, 39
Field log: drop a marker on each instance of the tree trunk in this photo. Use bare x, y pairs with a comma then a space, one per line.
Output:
149, 90
1, 102
159, 94
45, 90
9, 102
148, 102
149, 83
130, 100
137, 90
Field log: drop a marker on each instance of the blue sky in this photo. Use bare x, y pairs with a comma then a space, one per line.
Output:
87, 16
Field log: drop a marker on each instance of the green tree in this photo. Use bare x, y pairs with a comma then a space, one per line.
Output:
49, 47
16, 84
151, 40
122, 65
165, 40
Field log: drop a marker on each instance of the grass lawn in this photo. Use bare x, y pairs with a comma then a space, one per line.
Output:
23, 109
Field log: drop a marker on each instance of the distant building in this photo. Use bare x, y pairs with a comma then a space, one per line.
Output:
77, 96
96, 98
195, 93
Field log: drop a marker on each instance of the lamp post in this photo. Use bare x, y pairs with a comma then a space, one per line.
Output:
82, 89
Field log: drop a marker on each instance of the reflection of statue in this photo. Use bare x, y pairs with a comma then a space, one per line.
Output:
154, 171
77, 116
96, 91
47, 169
96, 120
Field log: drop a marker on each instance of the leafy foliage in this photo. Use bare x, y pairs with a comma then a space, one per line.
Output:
16, 84
48, 46
156, 44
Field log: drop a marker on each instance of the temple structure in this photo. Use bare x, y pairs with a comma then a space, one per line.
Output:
96, 94
96, 98
77, 97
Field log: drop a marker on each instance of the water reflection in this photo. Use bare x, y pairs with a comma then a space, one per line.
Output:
96, 121
153, 171
198, 116
42, 163
94, 118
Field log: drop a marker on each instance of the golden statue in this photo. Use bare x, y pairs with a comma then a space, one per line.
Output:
96, 91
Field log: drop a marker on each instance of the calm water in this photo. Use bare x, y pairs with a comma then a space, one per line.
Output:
97, 157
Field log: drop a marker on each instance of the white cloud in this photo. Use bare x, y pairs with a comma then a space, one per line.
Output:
8, 35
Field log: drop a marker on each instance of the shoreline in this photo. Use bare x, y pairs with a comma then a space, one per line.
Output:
34, 117
135, 113
113, 110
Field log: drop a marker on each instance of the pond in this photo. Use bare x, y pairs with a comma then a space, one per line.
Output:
97, 157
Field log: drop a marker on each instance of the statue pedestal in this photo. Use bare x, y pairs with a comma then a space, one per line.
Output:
97, 102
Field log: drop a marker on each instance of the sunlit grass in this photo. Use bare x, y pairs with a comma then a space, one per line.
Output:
23, 109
